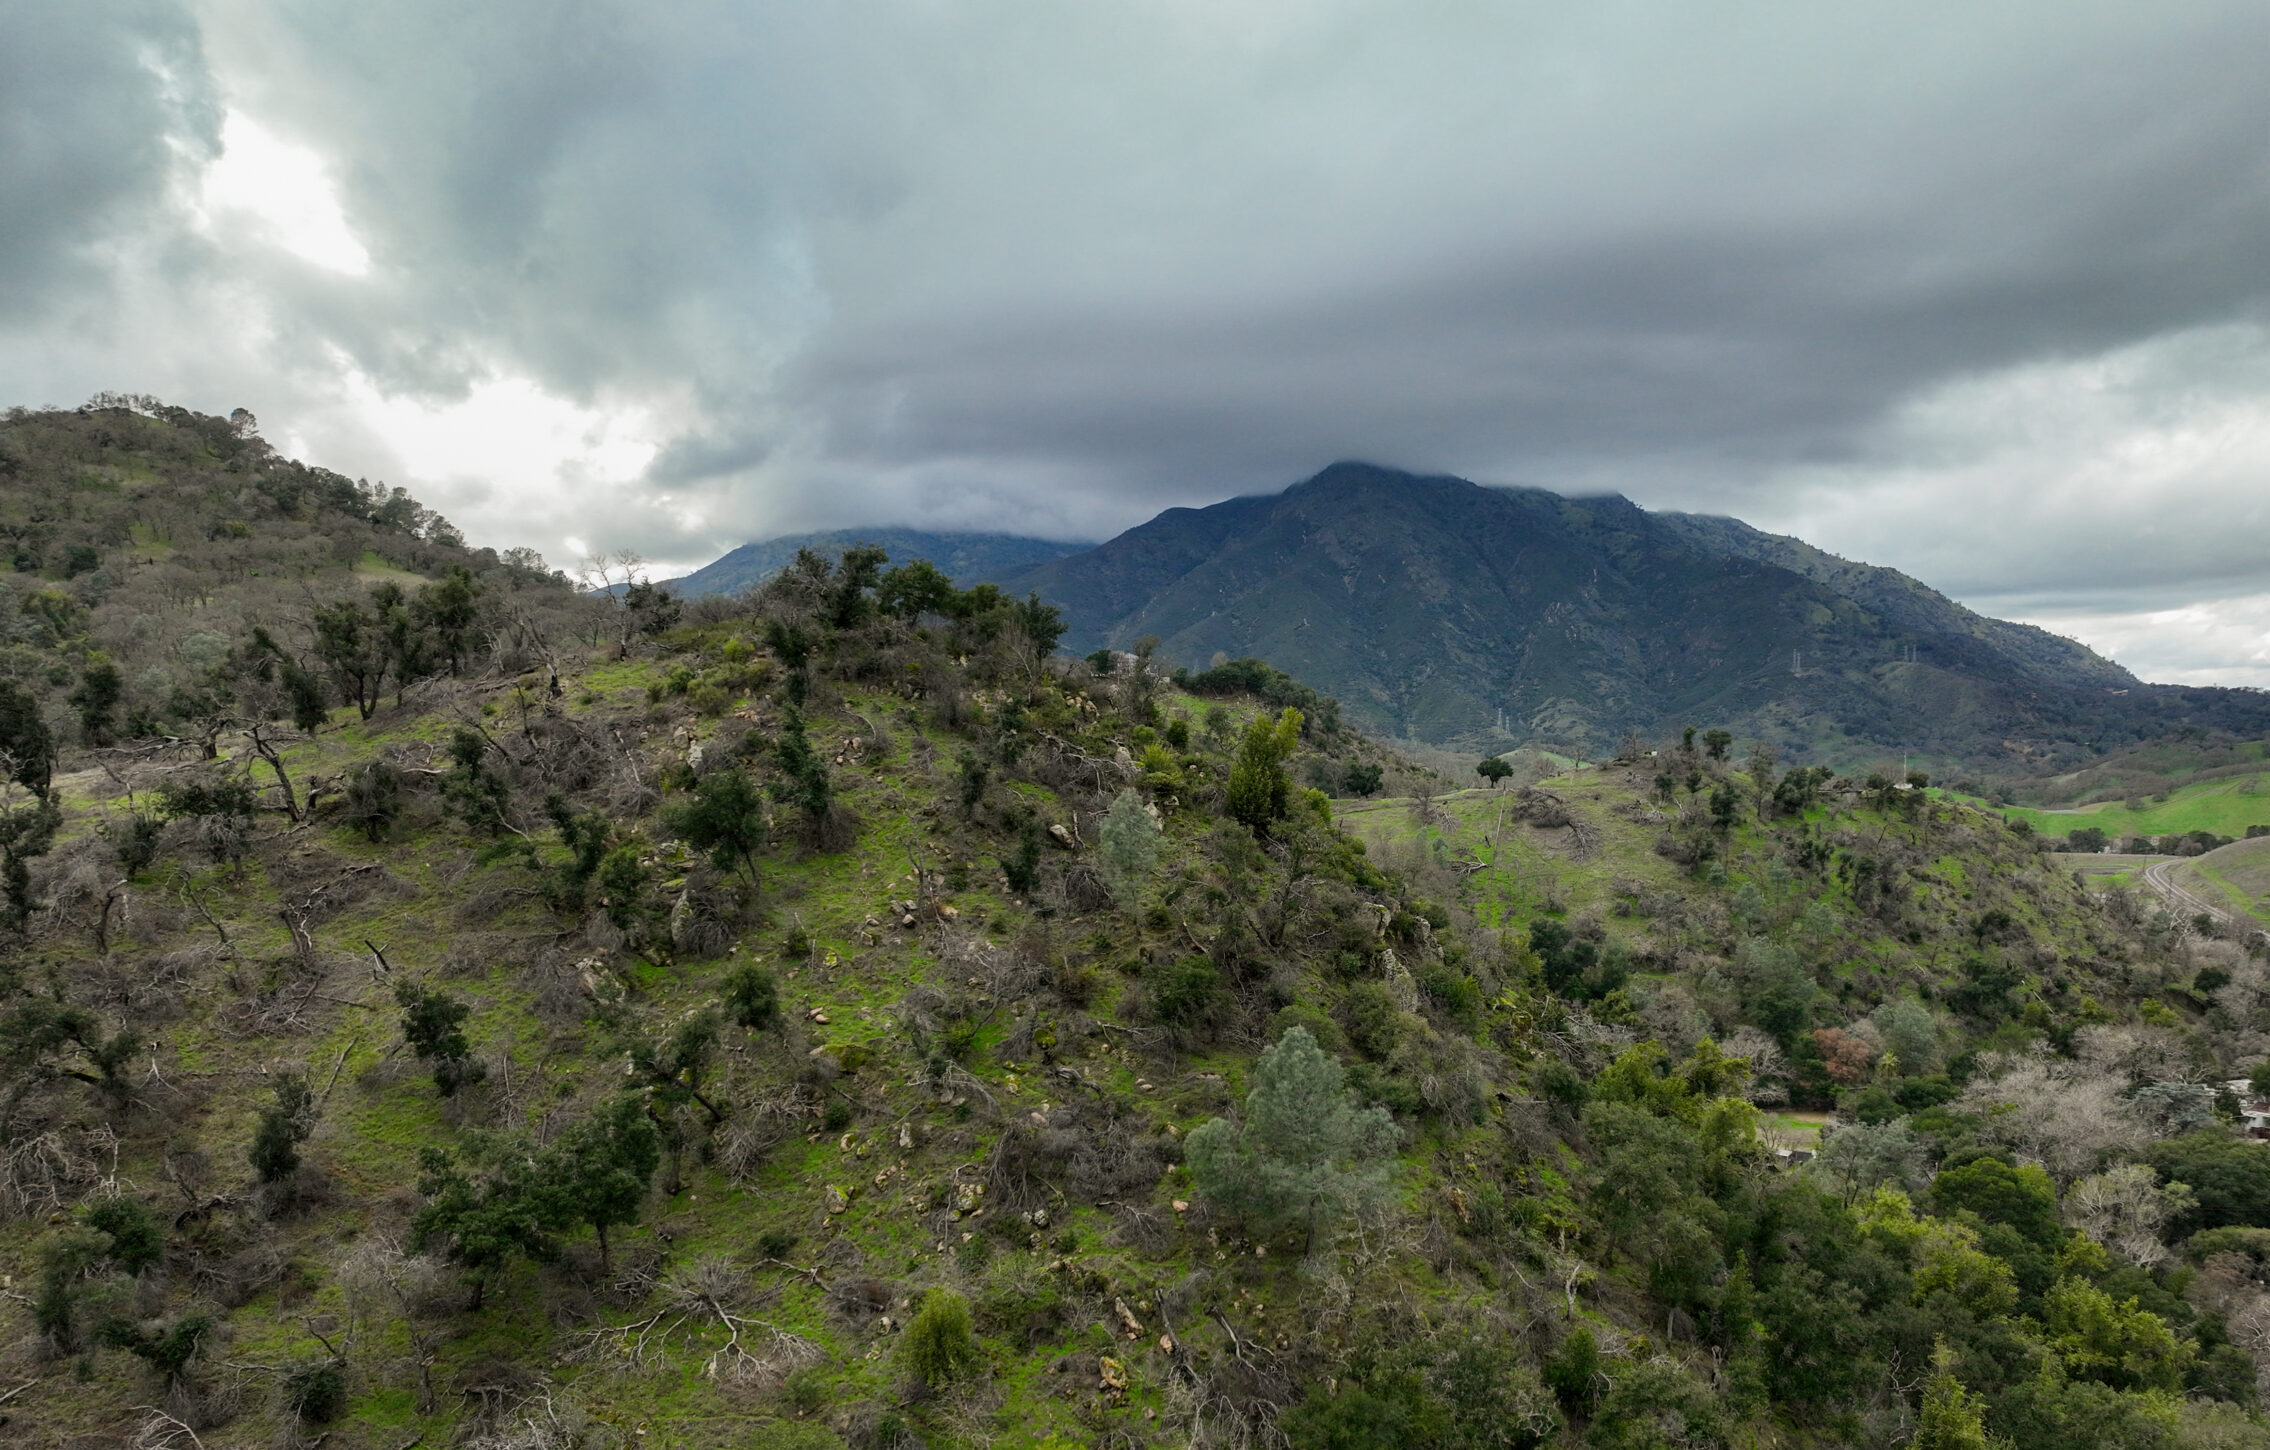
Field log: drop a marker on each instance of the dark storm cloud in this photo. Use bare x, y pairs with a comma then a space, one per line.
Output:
1854, 272
99, 101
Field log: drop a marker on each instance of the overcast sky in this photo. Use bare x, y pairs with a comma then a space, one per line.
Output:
1975, 291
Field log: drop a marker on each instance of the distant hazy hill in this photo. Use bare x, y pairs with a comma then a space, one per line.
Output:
968, 558
1435, 608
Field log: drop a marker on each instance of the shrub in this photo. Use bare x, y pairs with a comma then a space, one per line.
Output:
1182, 995
137, 1241
168, 1350
1259, 791
752, 996
316, 1393
940, 1346
1374, 1023
726, 818
1359, 1419
133, 839
373, 799
1459, 997
1022, 869
433, 1023
284, 1124
1575, 1371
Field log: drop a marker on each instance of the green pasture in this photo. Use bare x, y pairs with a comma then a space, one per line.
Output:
2226, 807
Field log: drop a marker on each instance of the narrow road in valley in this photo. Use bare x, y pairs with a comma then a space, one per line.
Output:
2159, 876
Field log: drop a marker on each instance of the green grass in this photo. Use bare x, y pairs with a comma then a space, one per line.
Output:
1798, 1130
2226, 807
376, 570
2103, 871
2239, 872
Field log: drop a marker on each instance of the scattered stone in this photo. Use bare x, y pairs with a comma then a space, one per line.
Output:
1061, 836
1181, 1206
1127, 1320
838, 1201
1112, 1374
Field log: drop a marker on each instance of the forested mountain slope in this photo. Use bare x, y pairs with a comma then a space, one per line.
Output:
833, 1017
1439, 610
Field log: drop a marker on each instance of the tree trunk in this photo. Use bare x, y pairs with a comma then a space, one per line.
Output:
267, 752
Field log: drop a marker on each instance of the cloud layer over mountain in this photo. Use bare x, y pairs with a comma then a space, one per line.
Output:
1978, 293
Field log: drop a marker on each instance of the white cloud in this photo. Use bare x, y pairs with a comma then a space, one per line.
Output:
2217, 642
512, 462
279, 193
2122, 497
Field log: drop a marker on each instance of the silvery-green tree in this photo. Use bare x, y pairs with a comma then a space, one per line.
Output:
1130, 849
1303, 1154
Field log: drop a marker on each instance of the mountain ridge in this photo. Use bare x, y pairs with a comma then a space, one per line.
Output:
1584, 618
965, 557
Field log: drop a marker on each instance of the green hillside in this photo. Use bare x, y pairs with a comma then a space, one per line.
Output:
2148, 769
2237, 874
837, 1018
2228, 806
